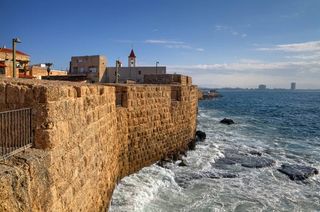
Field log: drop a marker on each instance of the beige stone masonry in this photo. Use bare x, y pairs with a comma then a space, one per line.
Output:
88, 137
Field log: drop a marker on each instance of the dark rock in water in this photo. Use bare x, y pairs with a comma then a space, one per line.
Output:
182, 163
268, 151
257, 162
184, 180
192, 145
167, 159
245, 161
229, 175
226, 161
175, 157
200, 136
161, 163
183, 153
298, 172
180, 156
227, 121
214, 175
255, 152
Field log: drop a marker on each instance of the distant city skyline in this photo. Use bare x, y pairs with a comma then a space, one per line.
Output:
219, 43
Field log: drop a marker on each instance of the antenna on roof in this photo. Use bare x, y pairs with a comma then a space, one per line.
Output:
4, 46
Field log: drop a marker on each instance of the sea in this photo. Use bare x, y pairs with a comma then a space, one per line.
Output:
281, 125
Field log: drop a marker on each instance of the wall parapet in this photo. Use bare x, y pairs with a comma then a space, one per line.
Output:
92, 135
167, 79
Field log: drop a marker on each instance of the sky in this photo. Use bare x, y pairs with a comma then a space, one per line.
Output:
220, 43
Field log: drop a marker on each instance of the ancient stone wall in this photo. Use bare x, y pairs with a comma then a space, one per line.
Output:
37, 71
167, 79
87, 137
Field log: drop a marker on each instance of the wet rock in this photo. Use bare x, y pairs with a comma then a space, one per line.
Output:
182, 163
184, 180
180, 156
227, 121
161, 163
215, 175
200, 136
226, 161
192, 145
257, 162
229, 175
175, 157
268, 151
245, 161
183, 153
298, 172
255, 152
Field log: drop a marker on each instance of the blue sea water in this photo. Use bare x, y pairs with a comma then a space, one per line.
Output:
282, 125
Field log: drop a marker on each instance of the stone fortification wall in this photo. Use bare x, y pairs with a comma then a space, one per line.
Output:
37, 71
167, 79
87, 137
156, 122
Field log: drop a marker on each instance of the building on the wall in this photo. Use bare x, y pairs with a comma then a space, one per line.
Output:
6, 58
132, 72
93, 67
40, 70
293, 86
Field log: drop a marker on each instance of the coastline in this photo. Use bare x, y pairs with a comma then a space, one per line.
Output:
91, 136
203, 185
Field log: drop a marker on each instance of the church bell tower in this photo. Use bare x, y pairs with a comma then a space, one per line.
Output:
132, 59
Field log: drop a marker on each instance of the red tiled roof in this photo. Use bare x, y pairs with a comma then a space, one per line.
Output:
132, 54
5, 50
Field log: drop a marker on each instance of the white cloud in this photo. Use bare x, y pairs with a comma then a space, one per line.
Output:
172, 44
199, 49
311, 46
178, 46
310, 56
250, 73
253, 65
230, 30
221, 27
163, 42
244, 35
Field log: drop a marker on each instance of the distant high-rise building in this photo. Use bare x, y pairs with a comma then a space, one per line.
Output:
293, 86
262, 87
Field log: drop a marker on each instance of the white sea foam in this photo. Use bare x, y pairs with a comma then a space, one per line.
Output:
155, 188
135, 191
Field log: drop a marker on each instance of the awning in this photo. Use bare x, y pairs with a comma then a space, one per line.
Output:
2, 65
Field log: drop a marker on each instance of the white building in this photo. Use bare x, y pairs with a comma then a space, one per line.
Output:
132, 72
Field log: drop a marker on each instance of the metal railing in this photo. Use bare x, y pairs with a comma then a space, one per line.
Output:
15, 131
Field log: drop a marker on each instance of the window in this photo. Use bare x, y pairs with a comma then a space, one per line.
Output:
81, 70
92, 69
75, 69
80, 60
2, 71
139, 72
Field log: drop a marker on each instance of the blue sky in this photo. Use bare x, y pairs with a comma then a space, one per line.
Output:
219, 43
